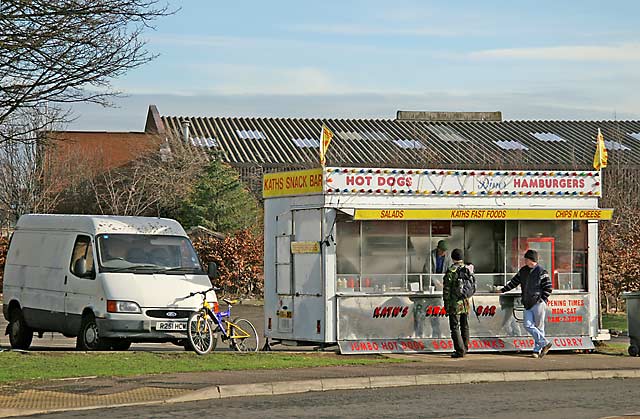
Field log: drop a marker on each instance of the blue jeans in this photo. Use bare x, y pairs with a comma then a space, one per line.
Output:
534, 323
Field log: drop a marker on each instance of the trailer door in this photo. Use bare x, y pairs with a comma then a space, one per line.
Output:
308, 286
307, 267
284, 280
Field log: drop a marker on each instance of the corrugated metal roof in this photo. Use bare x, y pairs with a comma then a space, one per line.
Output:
276, 142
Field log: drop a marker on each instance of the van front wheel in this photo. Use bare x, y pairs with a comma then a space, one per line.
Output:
88, 338
20, 335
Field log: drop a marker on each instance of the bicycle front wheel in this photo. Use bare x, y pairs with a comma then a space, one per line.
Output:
243, 335
200, 333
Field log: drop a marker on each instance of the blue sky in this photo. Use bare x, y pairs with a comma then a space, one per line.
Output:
530, 60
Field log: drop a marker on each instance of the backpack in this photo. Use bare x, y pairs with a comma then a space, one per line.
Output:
466, 283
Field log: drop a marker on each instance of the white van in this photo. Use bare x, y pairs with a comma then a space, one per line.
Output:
108, 280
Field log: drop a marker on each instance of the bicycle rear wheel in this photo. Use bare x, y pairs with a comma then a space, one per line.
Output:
200, 333
243, 335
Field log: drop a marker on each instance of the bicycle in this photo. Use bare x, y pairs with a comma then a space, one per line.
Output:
204, 325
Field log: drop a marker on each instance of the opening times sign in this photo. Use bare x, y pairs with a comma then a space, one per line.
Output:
464, 183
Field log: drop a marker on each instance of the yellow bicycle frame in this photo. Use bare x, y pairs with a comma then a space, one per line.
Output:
238, 332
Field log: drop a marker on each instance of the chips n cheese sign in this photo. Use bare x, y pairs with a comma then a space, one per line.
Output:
300, 182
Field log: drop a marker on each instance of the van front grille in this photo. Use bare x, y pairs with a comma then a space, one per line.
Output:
169, 314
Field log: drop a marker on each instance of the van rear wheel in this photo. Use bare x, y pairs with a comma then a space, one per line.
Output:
89, 338
20, 335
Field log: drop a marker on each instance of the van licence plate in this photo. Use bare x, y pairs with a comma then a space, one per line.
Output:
171, 326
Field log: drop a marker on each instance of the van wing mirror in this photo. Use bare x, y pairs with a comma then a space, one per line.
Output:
80, 267
212, 270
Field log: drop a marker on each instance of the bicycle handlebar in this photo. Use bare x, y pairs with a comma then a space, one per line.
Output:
204, 293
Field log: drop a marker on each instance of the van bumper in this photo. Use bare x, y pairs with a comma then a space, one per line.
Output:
136, 330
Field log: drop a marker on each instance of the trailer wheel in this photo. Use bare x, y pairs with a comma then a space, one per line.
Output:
633, 350
20, 335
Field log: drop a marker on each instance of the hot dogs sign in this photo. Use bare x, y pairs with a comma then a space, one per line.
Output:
461, 182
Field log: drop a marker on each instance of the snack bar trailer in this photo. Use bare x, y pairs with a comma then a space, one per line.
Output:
348, 255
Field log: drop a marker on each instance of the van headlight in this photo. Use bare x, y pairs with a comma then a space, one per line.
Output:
114, 306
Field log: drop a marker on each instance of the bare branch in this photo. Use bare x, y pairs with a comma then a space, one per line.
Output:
65, 51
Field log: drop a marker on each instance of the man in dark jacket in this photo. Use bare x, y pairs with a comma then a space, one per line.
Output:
536, 288
457, 308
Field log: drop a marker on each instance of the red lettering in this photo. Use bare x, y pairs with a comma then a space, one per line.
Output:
316, 180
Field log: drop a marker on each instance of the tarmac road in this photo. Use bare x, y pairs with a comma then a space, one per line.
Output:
584, 399
56, 342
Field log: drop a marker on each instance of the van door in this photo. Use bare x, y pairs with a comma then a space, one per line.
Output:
37, 262
81, 289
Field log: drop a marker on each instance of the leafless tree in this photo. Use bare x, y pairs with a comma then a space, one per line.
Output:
154, 184
28, 181
58, 52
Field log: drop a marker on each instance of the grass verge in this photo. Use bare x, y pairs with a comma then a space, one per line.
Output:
613, 348
19, 366
614, 321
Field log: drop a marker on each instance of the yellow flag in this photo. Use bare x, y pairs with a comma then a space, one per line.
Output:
601, 156
325, 138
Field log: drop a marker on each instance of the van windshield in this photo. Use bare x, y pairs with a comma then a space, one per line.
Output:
140, 253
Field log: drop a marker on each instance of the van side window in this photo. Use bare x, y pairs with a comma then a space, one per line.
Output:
83, 249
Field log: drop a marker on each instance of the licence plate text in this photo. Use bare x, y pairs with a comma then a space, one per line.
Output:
171, 326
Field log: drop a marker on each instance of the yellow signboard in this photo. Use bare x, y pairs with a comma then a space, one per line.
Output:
483, 214
299, 182
305, 247
284, 314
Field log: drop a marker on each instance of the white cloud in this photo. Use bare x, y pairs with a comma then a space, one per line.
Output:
181, 40
130, 113
628, 52
246, 80
243, 79
382, 29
